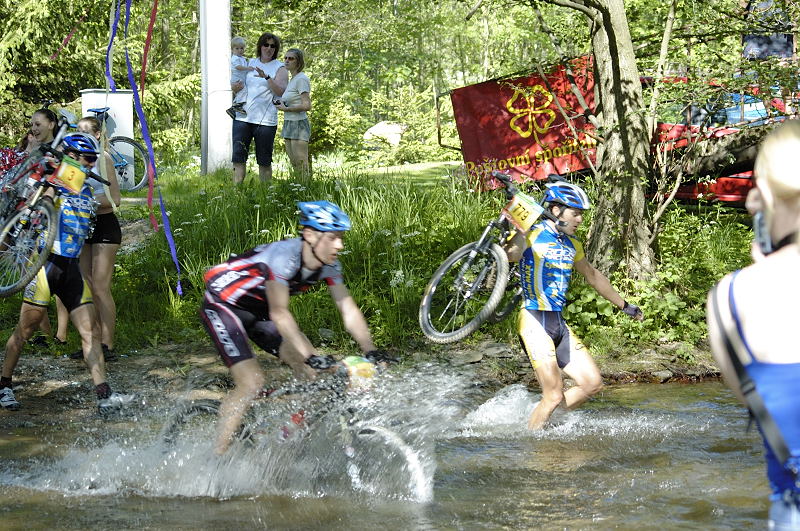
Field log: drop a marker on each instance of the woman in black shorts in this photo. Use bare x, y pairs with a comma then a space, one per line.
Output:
100, 250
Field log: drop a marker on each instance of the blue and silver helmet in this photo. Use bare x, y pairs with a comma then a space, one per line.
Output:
82, 143
323, 216
567, 194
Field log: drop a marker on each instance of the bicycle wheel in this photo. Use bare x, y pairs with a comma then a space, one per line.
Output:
131, 161
463, 292
190, 419
25, 243
380, 462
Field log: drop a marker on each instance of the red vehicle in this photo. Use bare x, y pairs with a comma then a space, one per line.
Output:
532, 126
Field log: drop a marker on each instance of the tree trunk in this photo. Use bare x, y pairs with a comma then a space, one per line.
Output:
619, 236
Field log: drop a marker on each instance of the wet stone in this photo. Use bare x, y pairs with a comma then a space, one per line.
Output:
465, 357
662, 376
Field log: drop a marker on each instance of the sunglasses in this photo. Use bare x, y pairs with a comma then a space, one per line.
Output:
269, 45
290, 58
88, 157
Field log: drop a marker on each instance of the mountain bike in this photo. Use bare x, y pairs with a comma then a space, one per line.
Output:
131, 159
474, 285
27, 213
368, 448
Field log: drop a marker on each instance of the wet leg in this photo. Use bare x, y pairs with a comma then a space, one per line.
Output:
248, 381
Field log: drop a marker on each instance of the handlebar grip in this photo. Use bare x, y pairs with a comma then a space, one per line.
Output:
511, 189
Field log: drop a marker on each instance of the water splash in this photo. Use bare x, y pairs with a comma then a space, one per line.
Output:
385, 449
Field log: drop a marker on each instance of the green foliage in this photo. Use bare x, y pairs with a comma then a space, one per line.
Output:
696, 249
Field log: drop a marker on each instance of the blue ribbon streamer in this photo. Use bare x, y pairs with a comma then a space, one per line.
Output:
146, 136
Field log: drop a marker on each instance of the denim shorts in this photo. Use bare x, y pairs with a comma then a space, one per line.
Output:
244, 132
296, 129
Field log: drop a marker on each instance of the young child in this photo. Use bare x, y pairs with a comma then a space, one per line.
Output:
239, 70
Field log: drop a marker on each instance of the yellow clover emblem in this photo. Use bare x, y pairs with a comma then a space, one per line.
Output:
534, 102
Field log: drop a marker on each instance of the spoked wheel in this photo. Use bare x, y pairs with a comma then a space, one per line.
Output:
132, 172
380, 462
190, 420
463, 293
25, 243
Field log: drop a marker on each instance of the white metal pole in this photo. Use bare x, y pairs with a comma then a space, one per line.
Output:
215, 61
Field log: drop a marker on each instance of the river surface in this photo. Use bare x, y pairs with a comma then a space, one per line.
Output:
640, 456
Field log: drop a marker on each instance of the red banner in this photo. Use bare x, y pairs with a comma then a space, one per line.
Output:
515, 124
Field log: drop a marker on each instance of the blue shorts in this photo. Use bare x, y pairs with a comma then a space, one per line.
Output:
244, 132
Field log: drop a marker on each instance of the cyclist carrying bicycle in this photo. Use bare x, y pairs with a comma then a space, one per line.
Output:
248, 297
549, 253
61, 276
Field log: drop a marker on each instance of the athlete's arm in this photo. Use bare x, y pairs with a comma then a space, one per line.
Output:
599, 282
278, 297
353, 319
718, 348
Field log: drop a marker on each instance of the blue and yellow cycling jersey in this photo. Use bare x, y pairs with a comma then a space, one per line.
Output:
546, 267
74, 221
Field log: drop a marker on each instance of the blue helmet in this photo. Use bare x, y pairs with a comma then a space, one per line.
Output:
82, 143
567, 194
323, 216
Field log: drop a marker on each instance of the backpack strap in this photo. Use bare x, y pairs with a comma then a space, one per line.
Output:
755, 404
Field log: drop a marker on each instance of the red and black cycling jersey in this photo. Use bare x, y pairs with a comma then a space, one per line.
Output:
241, 280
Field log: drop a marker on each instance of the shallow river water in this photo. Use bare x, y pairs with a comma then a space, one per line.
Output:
638, 457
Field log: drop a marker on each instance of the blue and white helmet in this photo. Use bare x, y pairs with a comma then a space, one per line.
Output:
323, 216
82, 143
567, 194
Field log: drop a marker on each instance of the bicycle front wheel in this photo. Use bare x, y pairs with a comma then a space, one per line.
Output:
380, 462
463, 292
190, 419
25, 243
131, 162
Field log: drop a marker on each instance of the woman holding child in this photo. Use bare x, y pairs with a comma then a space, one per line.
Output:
265, 84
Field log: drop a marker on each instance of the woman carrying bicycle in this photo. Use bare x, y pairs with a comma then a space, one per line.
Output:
100, 249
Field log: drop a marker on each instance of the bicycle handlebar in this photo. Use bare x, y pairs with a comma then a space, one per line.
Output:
511, 189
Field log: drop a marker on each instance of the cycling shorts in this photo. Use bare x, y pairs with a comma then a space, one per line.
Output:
544, 335
106, 230
60, 276
230, 326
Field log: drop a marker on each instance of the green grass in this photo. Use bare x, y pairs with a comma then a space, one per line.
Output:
407, 220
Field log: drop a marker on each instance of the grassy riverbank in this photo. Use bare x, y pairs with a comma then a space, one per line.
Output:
404, 226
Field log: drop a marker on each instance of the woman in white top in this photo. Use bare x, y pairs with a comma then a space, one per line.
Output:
295, 102
264, 84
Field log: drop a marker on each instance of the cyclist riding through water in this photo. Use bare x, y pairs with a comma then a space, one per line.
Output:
548, 253
248, 297
61, 276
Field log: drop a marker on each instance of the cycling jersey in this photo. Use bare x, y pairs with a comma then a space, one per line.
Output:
546, 267
75, 213
241, 280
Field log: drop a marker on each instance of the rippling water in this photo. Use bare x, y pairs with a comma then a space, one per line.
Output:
637, 457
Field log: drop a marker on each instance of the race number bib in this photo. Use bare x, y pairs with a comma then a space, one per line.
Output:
71, 174
523, 211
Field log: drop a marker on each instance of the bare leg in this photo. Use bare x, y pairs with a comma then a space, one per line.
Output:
62, 320
549, 376
29, 318
85, 321
102, 256
239, 172
248, 381
265, 173
584, 371
297, 150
